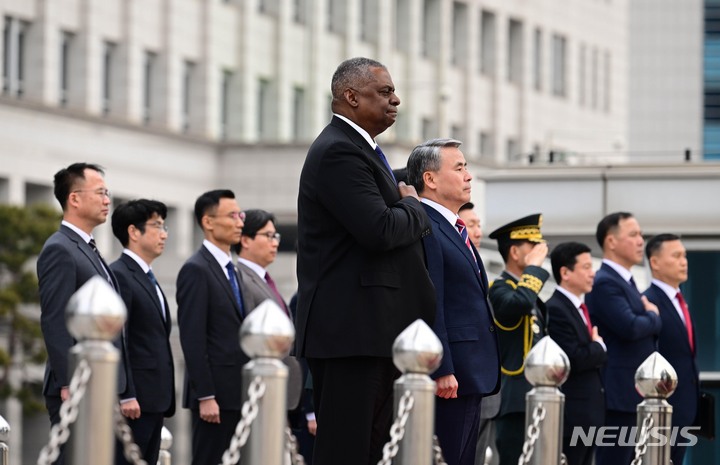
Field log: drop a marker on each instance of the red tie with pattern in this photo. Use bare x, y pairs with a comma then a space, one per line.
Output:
460, 225
275, 291
584, 309
688, 322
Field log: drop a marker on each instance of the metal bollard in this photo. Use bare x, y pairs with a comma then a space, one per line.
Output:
417, 352
266, 336
95, 316
4, 438
546, 368
655, 380
166, 439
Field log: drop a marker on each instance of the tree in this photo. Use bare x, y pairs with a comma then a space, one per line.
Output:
23, 231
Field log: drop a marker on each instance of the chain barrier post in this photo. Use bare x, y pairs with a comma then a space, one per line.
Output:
266, 336
4, 439
417, 352
95, 316
546, 368
166, 439
655, 380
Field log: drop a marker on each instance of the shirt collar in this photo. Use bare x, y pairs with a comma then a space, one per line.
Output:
621, 270
222, 257
253, 266
85, 236
572, 297
145, 267
445, 212
360, 130
666, 288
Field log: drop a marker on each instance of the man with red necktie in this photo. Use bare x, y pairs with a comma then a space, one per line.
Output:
571, 327
470, 366
668, 264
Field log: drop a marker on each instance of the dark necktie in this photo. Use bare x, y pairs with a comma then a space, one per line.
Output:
632, 282
232, 277
584, 309
156, 286
385, 162
275, 291
460, 225
688, 322
102, 262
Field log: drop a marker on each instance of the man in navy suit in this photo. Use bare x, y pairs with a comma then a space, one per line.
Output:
139, 225
210, 312
360, 267
628, 322
68, 259
571, 327
669, 266
470, 365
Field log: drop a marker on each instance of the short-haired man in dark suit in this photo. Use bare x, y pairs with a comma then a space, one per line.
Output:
68, 259
140, 227
361, 270
470, 365
571, 327
210, 312
628, 322
669, 266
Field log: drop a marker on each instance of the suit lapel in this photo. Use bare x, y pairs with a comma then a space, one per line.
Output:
575, 317
257, 281
665, 305
219, 274
144, 281
102, 268
360, 141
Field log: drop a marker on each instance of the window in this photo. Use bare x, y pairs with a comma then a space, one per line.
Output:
225, 84
582, 74
487, 145
65, 44
401, 30
559, 65
430, 34
429, 130
457, 132
487, 43
298, 127
187, 84
107, 73
263, 102
537, 60
515, 52
299, 11
607, 82
594, 78
148, 71
459, 34
336, 15
14, 34
512, 150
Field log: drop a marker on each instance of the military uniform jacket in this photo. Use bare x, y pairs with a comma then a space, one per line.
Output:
521, 319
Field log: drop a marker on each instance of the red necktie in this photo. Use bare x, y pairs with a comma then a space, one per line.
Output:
584, 309
688, 322
274, 289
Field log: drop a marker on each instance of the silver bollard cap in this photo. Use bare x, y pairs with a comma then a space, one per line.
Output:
4, 430
95, 311
655, 377
417, 349
546, 364
166, 439
267, 332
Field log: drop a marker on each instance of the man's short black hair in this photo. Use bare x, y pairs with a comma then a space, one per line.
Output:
255, 220
609, 225
655, 243
66, 179
209, 201
136, 213
467, 206
565, 254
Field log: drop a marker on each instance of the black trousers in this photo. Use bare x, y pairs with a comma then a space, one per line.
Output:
457, 424
509, 437
53, 404
211, 440
146, 434
353, 405
617, 454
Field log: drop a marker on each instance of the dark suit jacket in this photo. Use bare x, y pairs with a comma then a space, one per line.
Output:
584, 393
361, 269
463, 321
630, 334
65, 263
209, 320
519, 312
147, 333
673, 344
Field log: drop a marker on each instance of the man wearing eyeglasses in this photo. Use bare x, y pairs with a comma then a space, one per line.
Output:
68, 259
210, 311
140, 227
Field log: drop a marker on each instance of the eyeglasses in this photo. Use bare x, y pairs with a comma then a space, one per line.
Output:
158, 225
232, 215
270, 235
100, 192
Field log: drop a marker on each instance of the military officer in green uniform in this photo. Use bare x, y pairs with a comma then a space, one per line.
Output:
521, 319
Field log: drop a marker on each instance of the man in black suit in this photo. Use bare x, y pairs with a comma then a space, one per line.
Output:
470, 365
669, 266
139, 225
210, 312
68, 259
571, 327
361, 270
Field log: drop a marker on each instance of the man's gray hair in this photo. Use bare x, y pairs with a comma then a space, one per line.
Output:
426, 157
354, 73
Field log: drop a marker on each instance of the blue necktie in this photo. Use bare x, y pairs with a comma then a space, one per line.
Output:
232, 277
156, 286
385, 162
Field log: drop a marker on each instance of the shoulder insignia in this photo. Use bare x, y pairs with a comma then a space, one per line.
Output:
531, 282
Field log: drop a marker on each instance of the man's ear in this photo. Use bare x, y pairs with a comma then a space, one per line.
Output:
351, 97
428, 178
